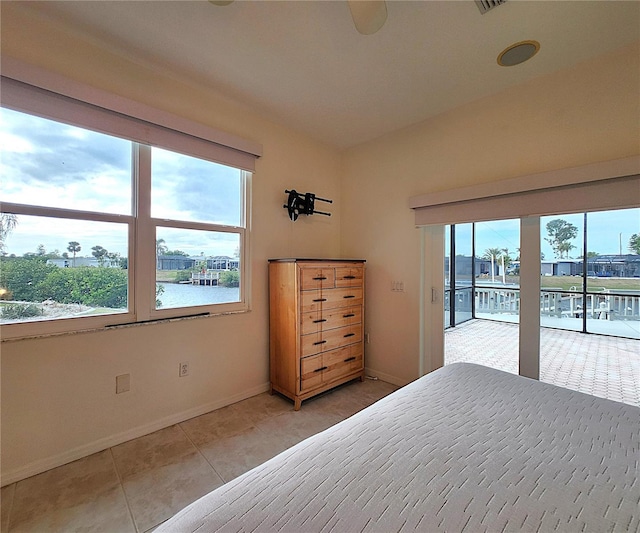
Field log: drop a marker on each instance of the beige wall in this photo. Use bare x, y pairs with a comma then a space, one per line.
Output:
570, 118
58, 394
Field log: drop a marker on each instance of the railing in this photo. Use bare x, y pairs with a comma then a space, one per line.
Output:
205, 278
558, 303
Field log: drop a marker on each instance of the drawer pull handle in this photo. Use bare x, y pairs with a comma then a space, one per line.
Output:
321, 369
319, 342
349, 359
320, 300
349, 277
320, 278
321, 320
350, 296
349, 334
349, 315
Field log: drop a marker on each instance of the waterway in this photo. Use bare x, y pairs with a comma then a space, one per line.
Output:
185, 294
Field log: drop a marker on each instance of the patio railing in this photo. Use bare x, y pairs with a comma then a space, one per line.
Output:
602, 305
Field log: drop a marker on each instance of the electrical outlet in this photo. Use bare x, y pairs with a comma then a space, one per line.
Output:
123, 383
184, 369
367, 339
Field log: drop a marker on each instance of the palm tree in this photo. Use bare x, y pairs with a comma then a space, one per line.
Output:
100, 254
492, 252
74, 247
8, 221
161, 247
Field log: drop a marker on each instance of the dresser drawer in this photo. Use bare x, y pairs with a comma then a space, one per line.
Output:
317, 278
316, 321
349, 277
324, 368
325, 341
342, 361
330, 299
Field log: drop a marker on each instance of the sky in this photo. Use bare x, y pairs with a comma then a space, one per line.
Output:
49, 164
608, 233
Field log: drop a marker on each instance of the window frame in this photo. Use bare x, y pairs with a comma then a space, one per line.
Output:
141, 227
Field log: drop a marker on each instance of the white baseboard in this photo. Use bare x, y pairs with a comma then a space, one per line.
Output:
394, 380
42, 465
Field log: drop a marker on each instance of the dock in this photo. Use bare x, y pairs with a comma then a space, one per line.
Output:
210, 279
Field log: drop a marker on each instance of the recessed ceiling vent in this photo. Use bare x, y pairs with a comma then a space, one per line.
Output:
486, 5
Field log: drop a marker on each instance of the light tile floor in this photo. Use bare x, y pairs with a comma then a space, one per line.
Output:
137, 485
608, 367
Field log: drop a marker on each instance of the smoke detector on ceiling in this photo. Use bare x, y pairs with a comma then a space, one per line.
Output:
486, 5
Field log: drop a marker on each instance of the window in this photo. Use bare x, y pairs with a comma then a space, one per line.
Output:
98, 228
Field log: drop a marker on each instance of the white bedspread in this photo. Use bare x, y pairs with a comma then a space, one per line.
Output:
465, 448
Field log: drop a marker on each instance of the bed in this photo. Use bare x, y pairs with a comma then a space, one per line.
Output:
465, 448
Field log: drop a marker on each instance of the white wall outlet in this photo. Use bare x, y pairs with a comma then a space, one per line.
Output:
184, 369
367, 339
123, 383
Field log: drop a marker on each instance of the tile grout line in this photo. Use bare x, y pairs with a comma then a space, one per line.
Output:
124, 492
224, 481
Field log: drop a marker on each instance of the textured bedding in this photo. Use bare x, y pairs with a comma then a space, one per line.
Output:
465, 448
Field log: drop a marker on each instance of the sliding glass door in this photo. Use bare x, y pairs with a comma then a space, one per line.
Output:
459, 274
590, 272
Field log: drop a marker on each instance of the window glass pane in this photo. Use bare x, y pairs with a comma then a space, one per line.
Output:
191, 189
50, 164
561, 267
447, 276
463, 304
613, 272
195, 267
57, 268
464, 236
497, 270
498, 248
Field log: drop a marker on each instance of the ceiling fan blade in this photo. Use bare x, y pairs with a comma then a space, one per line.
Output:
368, 15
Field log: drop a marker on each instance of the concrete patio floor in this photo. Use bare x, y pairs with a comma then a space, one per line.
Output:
604, 366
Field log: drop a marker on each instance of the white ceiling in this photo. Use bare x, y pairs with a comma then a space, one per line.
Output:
303, 64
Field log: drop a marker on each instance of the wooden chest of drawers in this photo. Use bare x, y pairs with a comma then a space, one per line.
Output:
316, 325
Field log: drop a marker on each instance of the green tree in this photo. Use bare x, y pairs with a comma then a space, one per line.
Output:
230, 279
8, 222
95, 287
114, 258
159, 291
634, 243
561, 233
74, 247
100, 254
24, 277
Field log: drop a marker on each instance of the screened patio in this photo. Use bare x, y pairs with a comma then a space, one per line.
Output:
600, 365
